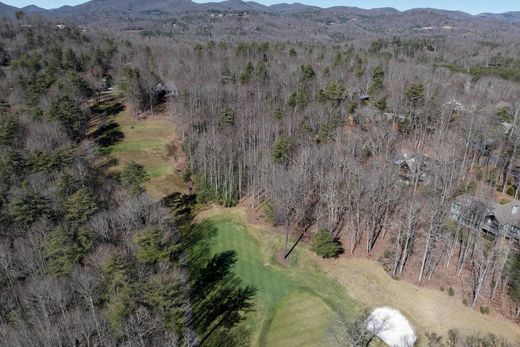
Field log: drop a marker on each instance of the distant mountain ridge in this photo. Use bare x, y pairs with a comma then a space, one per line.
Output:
512, 16
33, 9
7, 10
175, 6
286, 21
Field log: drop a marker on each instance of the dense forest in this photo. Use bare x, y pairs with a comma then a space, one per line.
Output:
360, 148
372, 144
87, 259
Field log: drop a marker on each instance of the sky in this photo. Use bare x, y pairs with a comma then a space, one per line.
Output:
470, 6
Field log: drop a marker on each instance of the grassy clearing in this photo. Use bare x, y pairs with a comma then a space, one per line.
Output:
145, 142
295, 306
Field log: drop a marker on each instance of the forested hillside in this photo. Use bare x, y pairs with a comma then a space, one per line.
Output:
396, 144
372, 144
87, 259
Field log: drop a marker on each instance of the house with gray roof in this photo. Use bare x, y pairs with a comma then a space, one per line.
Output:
495, 219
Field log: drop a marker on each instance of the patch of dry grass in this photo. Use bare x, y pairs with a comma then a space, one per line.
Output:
145, 142
428, 310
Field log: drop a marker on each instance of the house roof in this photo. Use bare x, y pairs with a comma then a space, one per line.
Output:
471, 205
508, 213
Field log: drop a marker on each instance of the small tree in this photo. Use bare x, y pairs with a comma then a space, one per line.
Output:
307, 71
415, 94
247, 74
80, 205
281, 149
67, 112
163, 292
29, 207
227, 117
133, 177
358, 330
324, 245
381, 104
378, 78
335, 93
155, 245
63, 248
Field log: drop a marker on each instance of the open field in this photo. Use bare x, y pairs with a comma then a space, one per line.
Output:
147, 143
294, 305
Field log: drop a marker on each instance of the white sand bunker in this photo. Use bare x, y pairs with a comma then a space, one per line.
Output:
392, 327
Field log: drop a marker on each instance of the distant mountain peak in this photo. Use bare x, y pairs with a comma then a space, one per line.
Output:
33, 9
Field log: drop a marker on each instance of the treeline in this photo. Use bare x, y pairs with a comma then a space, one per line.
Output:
87, 258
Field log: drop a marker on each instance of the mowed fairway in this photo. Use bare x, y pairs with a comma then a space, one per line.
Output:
146, 143
294, 306
300, 319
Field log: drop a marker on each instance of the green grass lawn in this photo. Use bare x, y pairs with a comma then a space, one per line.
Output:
294, 306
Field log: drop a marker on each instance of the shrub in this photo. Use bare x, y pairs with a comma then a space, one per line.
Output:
451, 292
133, 177
186, 174
324, 245
484, 309
269, 212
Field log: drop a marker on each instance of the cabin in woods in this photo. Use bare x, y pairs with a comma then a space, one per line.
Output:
494, 219
414, 167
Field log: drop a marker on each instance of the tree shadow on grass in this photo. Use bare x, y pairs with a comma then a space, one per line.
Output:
107, 132
218, 300
108, 135
107, 111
